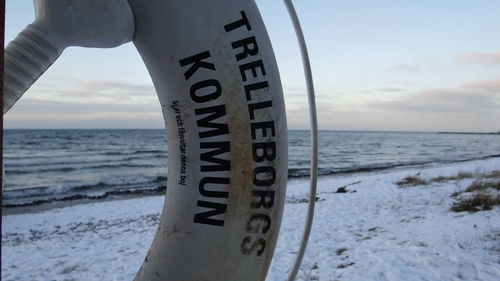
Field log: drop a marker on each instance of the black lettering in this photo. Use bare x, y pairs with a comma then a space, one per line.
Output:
203, 187
239, 23
247, 50
262, 195
197, 63
205, 95
252, 66
254, 106
206, 122
267, 151
262, 126
259, 223
219, 148
204, 217
254, 87
263, 181
259, 245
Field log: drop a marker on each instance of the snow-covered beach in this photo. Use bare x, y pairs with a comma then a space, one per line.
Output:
375, 231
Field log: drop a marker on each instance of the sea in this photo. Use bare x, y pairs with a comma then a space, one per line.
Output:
52, 165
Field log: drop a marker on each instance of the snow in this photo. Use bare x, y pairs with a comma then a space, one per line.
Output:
378, 232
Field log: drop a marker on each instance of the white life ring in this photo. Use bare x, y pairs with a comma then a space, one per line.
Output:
218, 84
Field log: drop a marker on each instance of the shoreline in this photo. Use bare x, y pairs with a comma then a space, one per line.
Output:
49, 204
38, 207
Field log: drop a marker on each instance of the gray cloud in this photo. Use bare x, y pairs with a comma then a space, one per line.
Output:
389, 89
32, 113
475, 97
62, 107
485, 58
105, 86
407, 67
471, 106
485, 86
294, 89
96, 91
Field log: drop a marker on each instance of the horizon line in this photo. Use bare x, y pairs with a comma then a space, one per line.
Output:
323, 130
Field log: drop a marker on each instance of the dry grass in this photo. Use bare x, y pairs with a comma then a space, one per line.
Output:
485, 194
411, 181
416, 180
464, 175
494, 174
480, 185
440, 179
482, 194
340, 251
344, 265
478, 202
459, 176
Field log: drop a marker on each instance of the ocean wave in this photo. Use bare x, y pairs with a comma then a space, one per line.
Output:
84, 154
159, 190
21, 172
71, 169
154, 185
147, 151
100, 161
76, 162
305, 172
30, 143
490, 156
83, 187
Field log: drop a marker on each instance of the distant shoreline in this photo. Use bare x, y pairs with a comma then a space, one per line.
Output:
470, 133
297, 130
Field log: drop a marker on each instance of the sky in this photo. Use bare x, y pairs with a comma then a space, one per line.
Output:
399, 65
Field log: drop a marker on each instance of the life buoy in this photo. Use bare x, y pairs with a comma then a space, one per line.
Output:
215, 73
218, 84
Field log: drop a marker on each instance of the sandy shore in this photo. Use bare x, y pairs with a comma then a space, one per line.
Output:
375, 231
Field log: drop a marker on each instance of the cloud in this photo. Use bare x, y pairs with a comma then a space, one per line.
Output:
486, 86
33, 113
472, 106
111, 89
76, 108
469, 98
95, 91
407, 68
296, 90
485, 58
389, 89
106, 86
